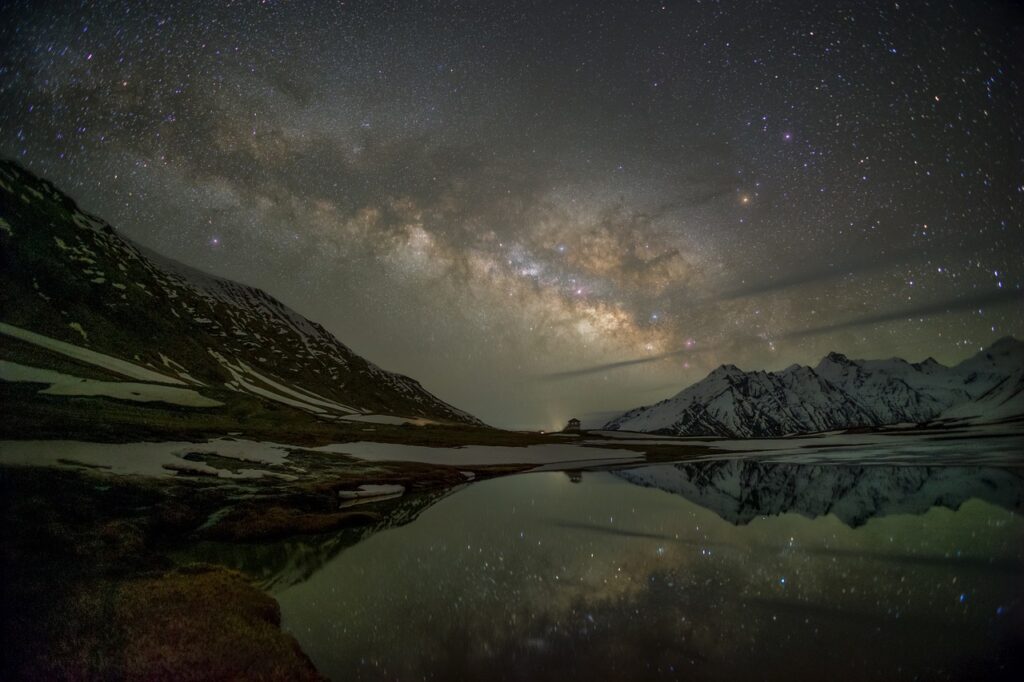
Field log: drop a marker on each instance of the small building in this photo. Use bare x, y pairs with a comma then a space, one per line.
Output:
573, 425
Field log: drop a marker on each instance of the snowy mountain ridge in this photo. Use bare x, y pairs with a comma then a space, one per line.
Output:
69, 278
839, 393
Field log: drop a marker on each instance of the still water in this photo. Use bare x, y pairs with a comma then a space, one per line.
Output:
725, 570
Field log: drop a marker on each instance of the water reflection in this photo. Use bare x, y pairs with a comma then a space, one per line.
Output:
712, 571
275, 566
742, 490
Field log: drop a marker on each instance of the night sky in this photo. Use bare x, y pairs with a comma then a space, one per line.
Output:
491, 197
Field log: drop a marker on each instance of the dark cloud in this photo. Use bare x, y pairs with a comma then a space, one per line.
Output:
998, 297
608, 366
819, 273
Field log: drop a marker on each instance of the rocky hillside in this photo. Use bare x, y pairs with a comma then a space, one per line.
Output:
840, 393
73, 288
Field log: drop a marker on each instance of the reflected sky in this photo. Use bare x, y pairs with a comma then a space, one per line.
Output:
540, 577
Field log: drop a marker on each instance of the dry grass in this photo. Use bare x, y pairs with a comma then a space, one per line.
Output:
200, 623
204, 623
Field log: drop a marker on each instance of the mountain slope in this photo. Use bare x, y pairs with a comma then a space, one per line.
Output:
994, 378
837, 394
69, 278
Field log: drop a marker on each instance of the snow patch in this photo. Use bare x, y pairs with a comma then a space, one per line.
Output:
88, 356
78, 328
139, 459
66, 384
241, 374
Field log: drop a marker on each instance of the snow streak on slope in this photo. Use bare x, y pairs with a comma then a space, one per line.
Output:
87, 356
58, 383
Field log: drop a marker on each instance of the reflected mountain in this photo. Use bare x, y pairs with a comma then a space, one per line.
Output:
275, 566
741, 490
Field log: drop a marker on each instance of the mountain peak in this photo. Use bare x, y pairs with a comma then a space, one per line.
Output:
1007, 344
1006, 352
837, 358
929, 364
725, 371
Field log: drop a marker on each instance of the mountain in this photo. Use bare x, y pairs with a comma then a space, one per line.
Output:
742, 490
839, 393
78, 297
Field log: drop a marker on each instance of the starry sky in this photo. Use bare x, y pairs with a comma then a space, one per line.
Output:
547, 209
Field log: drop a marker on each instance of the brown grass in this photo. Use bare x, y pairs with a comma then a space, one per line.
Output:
204, 623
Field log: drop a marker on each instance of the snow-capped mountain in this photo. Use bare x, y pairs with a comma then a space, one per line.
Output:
839, 393
742, 490
74, 288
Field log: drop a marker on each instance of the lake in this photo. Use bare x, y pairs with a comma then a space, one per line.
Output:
719, 570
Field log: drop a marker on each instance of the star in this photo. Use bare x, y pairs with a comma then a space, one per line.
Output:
427, 185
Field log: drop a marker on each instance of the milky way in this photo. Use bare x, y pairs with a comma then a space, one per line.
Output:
490, 197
